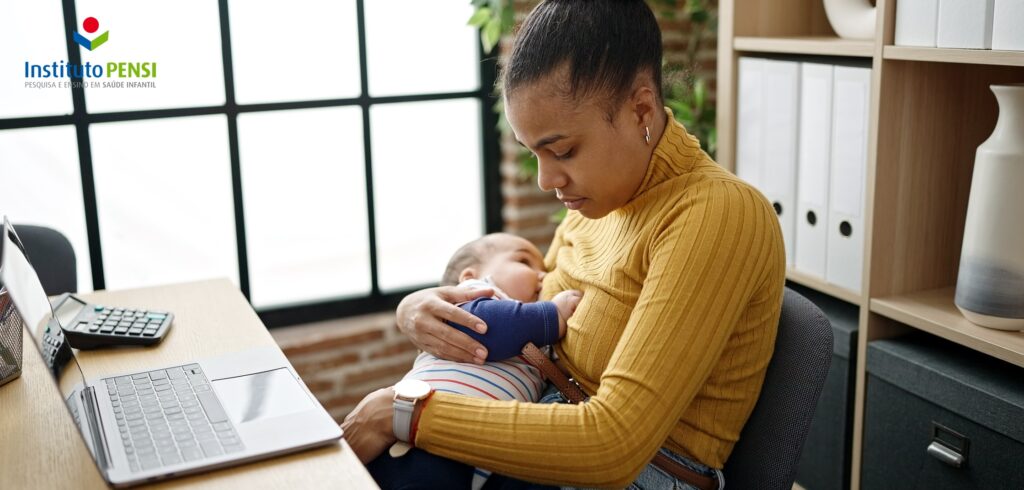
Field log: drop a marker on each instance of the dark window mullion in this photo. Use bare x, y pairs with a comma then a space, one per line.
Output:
92, 225
231, 109
365, 103
376, 300
118, 116
489, 134
36, 122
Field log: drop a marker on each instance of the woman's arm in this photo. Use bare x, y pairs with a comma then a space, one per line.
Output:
421, 316
721, 245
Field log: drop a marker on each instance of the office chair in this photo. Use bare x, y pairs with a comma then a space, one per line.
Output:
768, 451
52, 257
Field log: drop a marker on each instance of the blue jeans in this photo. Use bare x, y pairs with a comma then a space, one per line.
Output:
651, 477
420, 469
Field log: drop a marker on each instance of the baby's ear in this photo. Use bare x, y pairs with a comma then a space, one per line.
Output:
467, 274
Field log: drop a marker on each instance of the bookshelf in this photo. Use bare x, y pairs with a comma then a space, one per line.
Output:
815, 45
820, 285
934, 312
930, 109
967, 56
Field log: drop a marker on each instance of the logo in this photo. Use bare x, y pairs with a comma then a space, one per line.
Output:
119, 74
90, 25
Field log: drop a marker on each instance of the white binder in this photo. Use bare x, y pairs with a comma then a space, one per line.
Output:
813, 168
1008, 25
851, 97
780, 114
748, 121
917, 22
965, 24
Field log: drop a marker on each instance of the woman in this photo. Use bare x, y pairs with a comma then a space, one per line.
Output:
681, 265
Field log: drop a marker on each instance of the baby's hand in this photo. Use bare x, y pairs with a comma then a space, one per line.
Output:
566, 303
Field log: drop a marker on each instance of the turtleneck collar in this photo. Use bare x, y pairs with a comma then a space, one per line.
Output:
675, 154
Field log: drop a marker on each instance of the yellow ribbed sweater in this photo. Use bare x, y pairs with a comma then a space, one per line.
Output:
682, 290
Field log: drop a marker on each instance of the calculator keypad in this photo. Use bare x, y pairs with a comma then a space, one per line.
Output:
96, 326
120, 321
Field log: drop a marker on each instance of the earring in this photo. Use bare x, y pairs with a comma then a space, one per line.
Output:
647, 135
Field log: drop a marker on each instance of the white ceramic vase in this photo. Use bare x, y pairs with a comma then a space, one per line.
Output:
852, 19
990, 286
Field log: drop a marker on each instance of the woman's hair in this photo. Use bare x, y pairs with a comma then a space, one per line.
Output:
604, 45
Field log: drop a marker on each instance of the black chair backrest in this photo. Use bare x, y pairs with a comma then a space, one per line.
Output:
768, 451
52, 257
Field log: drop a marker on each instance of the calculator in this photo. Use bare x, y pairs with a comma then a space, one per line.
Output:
91, 326
56, 352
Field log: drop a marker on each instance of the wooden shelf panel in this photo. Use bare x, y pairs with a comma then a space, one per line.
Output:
944, 55
821, 286
934, 312
811, 45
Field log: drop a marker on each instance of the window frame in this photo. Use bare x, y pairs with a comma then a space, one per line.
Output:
375, 301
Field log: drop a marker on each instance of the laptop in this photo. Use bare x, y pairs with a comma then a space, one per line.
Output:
177, 420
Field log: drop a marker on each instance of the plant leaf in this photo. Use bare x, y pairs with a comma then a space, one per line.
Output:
700, 94
508, 17
712, 141
491, 33
480, 17
681, 110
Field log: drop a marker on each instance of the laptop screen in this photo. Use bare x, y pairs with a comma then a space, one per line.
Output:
25, 290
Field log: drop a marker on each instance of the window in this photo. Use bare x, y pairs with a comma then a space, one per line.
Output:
435, 187
326, 156
295, 255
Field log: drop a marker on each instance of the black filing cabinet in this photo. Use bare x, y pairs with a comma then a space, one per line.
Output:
941, 416
825, 462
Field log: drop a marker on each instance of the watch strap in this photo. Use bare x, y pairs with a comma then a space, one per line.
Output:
401, 420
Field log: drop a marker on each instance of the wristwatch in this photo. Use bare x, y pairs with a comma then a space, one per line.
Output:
408, 393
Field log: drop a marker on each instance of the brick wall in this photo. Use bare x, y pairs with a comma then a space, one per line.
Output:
343, 360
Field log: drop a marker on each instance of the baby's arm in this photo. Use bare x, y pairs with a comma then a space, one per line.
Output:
511, 324
566, 303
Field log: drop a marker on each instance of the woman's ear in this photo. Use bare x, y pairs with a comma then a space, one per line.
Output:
645, 103
467, 274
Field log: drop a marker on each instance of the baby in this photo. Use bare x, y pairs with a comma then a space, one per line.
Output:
513, 268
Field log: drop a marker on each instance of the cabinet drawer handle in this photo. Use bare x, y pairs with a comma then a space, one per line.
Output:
948, 446
945, 455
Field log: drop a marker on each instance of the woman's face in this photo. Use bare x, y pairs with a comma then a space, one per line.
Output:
593, 166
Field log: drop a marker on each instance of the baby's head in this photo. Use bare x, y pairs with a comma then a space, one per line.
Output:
513, 263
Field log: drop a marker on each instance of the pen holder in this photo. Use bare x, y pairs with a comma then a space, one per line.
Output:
11, 328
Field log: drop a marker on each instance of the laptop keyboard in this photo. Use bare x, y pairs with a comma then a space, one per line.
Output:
170, 416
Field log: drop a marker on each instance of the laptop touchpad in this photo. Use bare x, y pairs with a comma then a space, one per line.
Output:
261, 396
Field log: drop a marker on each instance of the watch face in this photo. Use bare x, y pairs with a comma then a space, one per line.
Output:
412, 389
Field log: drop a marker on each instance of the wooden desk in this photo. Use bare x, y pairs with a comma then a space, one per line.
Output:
39, 446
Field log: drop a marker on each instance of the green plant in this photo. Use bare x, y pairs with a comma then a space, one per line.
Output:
494, 18
686, 93
688, 99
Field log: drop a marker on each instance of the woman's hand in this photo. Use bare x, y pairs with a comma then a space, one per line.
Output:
368, 429
421, 316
